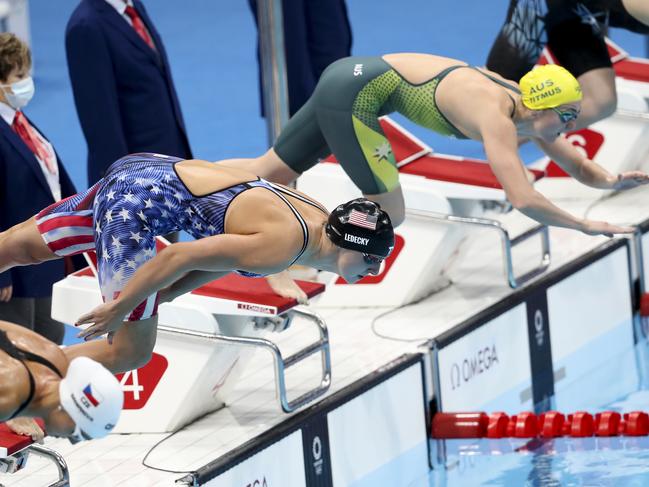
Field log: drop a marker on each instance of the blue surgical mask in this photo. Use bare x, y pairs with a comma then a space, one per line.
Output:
23, 91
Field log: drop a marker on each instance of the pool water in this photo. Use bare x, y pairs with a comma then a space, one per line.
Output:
595, 461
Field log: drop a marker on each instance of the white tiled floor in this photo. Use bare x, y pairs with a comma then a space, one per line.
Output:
477, 282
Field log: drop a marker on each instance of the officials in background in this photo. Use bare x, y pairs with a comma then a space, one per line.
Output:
123, 91
31, 177
316, 33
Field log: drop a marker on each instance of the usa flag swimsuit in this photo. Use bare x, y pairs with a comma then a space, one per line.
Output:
139, 198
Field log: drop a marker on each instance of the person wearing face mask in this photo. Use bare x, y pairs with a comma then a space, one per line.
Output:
31, 176
77, 398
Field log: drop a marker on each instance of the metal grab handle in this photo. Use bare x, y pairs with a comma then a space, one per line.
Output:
281, 363
507, 242
43, 451
632, 114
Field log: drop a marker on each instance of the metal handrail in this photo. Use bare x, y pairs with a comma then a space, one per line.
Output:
632, 114
507, 242
281, 363
43, 451
273, 66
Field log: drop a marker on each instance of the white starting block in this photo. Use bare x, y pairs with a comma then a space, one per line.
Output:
444, 197
619, 143
15, 450
203, 340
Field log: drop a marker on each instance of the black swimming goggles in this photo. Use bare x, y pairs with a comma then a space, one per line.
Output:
567, 114
78, 435
370, 259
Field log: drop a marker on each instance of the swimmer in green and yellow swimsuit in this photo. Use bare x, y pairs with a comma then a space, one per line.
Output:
453, 99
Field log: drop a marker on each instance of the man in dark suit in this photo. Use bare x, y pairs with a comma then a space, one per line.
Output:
316, 33
31, 177
123, 91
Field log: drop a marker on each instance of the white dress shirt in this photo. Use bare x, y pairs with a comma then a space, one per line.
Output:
120, 6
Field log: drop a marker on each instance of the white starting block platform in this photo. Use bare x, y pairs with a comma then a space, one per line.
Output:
204, 338
446, 198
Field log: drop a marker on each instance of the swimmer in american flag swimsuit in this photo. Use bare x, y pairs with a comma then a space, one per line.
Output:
239, 222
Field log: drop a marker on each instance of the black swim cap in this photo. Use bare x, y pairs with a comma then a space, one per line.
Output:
363, 226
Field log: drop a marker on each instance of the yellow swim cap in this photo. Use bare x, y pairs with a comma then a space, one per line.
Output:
549, 86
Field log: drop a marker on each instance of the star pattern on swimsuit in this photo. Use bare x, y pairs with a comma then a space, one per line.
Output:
124, 214
383, 151
118, 275
136, 236
139, 209
116, 242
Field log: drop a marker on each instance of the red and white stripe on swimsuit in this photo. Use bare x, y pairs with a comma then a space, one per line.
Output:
67, 225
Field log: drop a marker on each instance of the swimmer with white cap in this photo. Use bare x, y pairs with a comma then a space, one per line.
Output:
78, 399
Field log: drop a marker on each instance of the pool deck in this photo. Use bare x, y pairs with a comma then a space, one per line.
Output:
362, 340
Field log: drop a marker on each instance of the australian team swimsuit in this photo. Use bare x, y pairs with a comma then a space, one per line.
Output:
342, 117
139, 198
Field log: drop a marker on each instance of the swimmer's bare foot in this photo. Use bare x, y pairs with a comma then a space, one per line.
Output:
27, 427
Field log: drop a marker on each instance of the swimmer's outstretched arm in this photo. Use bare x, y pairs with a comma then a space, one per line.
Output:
187, 283
501, 144
587, 171
220, 253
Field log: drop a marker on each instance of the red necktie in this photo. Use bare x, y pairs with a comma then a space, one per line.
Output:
138, 25
31, 139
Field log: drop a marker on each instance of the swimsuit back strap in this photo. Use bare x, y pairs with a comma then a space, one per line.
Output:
298, 196
300, 219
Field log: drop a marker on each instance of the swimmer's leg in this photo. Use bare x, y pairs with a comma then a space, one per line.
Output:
298, 148
268, 166
22, 245
131, 348
600, 96
122, 246
392, 203
62, 229
366, 156
638, 9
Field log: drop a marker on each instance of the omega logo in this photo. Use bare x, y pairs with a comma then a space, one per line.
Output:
538, 326
483, 360
316, 449
258, 483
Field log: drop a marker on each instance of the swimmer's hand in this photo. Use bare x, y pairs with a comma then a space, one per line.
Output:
591, 227
284, 285
26, 427
105, 318
630, 179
